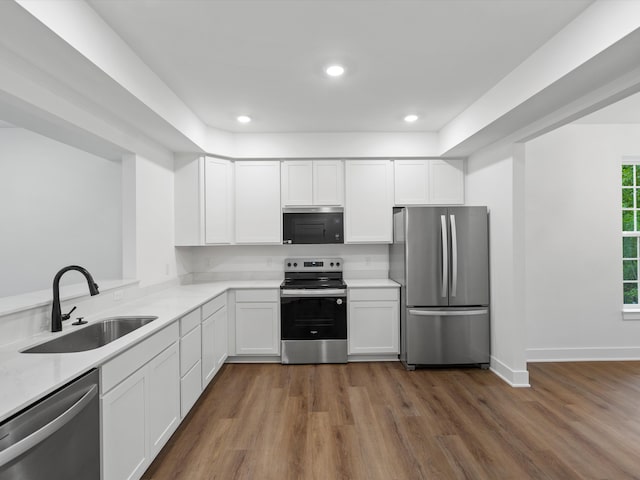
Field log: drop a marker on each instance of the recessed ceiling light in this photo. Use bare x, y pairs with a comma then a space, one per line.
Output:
411, 118
243, 118
334, 70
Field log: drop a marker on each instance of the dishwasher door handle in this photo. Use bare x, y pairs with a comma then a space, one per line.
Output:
27, 443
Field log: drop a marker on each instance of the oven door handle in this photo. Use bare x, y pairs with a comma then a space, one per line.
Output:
313, 292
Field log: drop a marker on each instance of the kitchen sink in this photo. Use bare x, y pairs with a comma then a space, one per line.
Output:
92, 336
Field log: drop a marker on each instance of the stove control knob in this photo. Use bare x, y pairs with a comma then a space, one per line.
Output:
338, 264
289, 264
295, 264
332, 264
339, 301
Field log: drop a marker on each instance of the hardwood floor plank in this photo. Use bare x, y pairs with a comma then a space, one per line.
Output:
377, 421
460, 459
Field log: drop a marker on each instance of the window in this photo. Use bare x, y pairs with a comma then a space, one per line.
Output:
630, 231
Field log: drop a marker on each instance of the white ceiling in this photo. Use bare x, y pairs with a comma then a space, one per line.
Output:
264, 58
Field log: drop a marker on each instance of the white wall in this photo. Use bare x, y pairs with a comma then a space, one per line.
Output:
493, 179
145, 240
336, 145
153, 238
60, 206
573, 244
267, 261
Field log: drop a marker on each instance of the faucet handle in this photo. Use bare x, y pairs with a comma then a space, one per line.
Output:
67, 316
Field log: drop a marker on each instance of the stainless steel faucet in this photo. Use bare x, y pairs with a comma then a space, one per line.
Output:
56, 314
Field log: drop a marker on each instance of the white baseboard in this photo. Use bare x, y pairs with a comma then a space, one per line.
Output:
583, 354
515, 378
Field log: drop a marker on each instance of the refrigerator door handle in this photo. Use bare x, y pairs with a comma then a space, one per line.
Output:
445, 255
447, 313
454, 256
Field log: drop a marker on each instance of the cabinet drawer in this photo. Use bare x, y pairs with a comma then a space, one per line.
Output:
190, 389
373, 294
212, 306
262, 295
190, 346
189, 321
120, 367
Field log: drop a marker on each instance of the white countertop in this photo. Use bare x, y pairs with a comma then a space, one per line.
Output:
26, 377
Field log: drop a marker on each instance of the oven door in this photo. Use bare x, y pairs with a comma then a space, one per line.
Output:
313, 317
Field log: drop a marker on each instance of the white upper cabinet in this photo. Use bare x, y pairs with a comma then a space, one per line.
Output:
369, 201
411, 185
429, 182
258, 216
218, 201
328, 182
312, 182
203, 201
189, 201
297, 182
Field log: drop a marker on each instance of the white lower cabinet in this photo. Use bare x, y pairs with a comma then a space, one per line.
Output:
373, 321
214, 338
257, 322
190, 389
149, 388
164, 391
140, 404
124, 438
190, 361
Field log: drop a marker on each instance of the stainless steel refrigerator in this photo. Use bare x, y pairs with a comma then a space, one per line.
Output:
440, 257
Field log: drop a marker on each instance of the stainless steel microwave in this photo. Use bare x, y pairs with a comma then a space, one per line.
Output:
312, 225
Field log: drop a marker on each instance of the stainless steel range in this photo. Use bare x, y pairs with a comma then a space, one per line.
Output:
313, 311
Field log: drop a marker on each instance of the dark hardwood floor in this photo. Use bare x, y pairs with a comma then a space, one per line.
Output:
377, 421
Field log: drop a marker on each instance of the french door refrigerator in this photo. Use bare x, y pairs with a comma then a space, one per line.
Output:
440, 257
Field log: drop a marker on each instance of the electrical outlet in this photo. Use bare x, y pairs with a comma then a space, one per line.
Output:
118, 295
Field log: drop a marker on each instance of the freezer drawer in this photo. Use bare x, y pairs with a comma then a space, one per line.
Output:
447, 336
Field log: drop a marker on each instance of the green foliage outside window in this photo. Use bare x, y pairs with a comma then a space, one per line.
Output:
629, 247
630, 202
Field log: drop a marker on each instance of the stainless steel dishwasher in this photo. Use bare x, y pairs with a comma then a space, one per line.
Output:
56, 438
